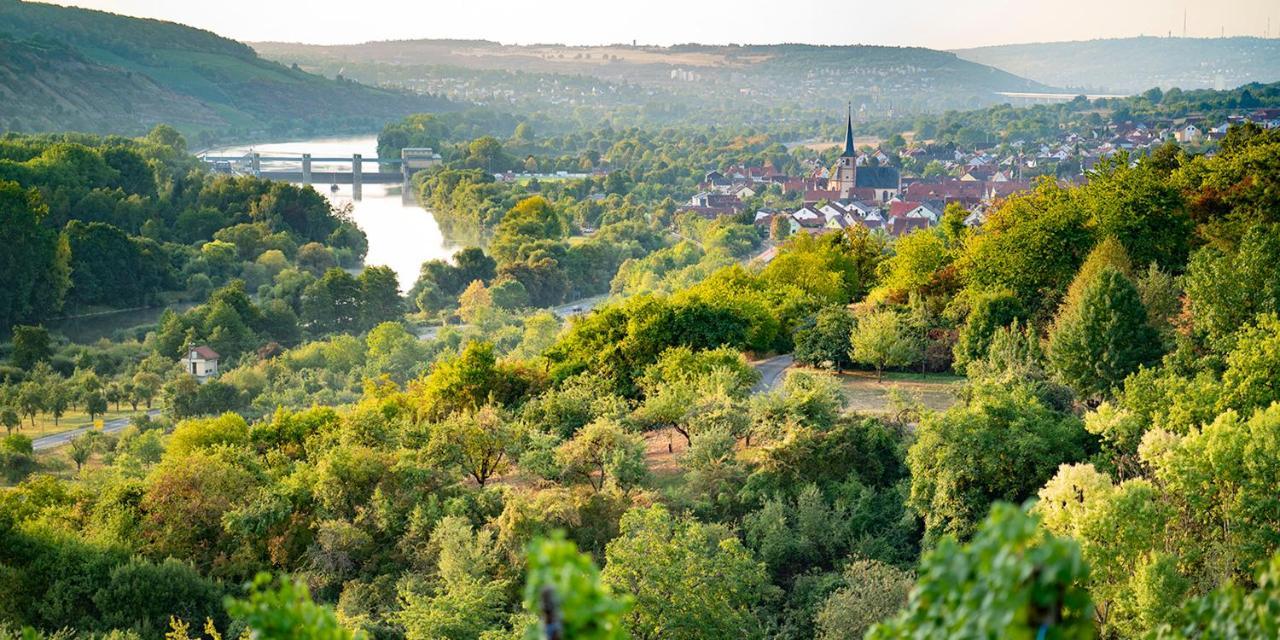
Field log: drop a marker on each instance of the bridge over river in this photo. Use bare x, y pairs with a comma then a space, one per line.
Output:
303, 168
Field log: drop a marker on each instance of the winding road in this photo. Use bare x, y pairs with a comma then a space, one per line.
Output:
771, 372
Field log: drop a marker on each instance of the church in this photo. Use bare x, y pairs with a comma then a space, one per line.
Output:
853, 181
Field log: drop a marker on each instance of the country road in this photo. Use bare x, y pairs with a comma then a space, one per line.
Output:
771, 372
55, 440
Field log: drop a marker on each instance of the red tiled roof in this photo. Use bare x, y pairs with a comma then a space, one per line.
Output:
206, 353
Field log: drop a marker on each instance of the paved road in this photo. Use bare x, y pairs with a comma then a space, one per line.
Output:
56, 440
771, 372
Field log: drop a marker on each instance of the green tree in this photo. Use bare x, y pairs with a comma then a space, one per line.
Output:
1010, 581
380, 299
283, 610
482, 442
826, 342
1253, 367
30, 345
1003, 445
882, 339
95, 404
988, 312
872, 592
1104, 337
35, 267
567, 582
82, 448
689, 579
603, 454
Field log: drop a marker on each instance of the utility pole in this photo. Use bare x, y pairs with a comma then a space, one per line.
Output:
1184, 22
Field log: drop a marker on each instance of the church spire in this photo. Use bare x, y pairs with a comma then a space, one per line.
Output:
848, 135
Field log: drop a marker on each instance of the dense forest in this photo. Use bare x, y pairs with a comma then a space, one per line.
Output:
1106, 467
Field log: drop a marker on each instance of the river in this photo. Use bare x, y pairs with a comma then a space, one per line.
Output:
401, 235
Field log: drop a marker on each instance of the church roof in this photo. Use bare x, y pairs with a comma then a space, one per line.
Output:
848, 136
876, 178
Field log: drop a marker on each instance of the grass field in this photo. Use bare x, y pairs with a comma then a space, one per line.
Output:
935, 391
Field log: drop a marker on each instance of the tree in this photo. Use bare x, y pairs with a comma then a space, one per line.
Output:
31, 400
689, 579
1103, 337
474, 301
332, 304
1253, 367
881, 339
35, 267
57, 398
1228, 289
988, 311
380, 299
482, 442
917, 258
1003, 445
826, 342
873, 592
9, 419
567, 582
283, 610
82, 447
1011, 581
95, 404
603, 453
30, 345
146, 385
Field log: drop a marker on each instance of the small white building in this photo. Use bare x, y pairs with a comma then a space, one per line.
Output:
201, 362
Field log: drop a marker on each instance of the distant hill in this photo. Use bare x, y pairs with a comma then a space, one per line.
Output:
710, 78
66, 68
1132, 65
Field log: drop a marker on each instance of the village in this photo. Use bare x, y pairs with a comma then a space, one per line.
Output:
871, 187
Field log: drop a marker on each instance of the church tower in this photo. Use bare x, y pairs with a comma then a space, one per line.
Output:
844, 177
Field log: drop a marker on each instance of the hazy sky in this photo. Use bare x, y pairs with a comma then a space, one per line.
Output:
932, 23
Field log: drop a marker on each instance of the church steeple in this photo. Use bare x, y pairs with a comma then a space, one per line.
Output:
848, 135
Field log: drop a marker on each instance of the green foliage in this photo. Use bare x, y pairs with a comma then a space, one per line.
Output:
1228, 288
34, 274
1231, 613
586, 608
688, 579
989, 312
825, 343
1010, 581
1001, 446
282, 609
882, 339
872, 593
1097, 342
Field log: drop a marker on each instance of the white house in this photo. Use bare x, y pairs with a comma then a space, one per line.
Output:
201, 362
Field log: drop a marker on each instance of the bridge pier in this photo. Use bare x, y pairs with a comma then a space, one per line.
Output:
357, 177
306, 168
255, 164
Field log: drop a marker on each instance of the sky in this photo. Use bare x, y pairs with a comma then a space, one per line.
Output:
938, 24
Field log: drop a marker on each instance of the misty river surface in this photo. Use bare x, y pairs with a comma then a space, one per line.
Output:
401, 234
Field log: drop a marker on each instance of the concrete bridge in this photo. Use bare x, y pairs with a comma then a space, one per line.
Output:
301, 168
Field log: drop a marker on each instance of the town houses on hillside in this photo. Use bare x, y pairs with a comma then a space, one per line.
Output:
869, 189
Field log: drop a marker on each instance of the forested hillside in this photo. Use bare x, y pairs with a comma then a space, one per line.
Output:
689, 83
1106, 467
1133, 65
74, 69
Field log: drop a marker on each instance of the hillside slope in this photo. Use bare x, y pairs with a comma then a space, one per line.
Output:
67, 68
1132, 65
745, 77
